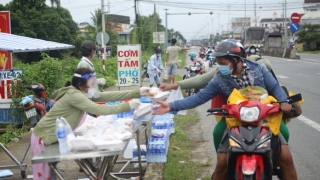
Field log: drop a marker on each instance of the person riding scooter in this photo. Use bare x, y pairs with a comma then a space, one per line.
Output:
233, 73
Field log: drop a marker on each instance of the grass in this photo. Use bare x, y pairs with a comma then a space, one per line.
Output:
179, 164
182, 57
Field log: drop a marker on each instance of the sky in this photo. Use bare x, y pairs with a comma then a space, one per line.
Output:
193, 26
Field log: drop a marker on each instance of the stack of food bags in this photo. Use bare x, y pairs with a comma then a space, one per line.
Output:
105, 133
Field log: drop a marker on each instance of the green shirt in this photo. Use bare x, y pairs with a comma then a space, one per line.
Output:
198, 81
71, 104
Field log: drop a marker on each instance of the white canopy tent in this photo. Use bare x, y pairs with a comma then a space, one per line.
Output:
17, 44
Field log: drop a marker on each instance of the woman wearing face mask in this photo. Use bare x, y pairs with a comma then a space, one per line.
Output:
72, 103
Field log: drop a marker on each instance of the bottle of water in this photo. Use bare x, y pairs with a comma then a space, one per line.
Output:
172, 126
153, 157
157, 153
163, 153
62, 136
135, 151
148, 157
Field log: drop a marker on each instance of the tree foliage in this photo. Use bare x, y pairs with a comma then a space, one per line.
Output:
33, 18
309, 35
142, 32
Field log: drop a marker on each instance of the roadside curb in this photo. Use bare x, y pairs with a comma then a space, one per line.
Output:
293, 59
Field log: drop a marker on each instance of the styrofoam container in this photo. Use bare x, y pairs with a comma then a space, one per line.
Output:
161, 95
143, 109
108, 145
81, 144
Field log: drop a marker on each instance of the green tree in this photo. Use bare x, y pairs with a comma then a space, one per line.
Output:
33, 18
92, 30
309, 35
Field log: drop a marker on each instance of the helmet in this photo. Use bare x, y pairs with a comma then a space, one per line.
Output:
235, 41
226, 48
193, 54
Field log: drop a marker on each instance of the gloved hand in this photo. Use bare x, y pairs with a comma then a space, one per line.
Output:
144, 91
134, 104
101, 81
158, 71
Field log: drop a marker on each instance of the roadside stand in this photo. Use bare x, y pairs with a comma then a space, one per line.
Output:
9, 44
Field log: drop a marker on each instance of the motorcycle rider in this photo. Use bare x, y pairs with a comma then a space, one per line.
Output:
235, 72
155, 68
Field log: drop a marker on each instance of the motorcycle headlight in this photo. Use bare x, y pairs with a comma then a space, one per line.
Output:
249, 114
264, 145
233, 143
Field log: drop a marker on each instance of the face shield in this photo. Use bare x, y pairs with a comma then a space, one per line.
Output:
92, 84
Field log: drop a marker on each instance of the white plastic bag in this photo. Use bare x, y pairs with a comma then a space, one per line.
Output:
177, 95
165, 73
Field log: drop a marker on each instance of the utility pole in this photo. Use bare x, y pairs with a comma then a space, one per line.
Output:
285, 28
245, 26
102, 38
166, 35
255, 13
155, 18
137, 30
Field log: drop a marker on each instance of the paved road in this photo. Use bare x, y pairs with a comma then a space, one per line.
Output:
303, 77
310, 57
300, 76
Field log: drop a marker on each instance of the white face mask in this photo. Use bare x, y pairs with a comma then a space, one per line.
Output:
91, 92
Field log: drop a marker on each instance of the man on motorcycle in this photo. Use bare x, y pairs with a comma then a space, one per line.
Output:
235, 72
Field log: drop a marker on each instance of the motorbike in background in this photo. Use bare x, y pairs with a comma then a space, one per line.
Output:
249, 152
202, 54
37, 105
212, 60
145, 71
194, 69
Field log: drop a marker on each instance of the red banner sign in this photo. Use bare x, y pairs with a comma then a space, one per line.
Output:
5, 28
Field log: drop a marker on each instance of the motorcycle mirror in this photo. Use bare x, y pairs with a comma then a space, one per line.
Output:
295, 98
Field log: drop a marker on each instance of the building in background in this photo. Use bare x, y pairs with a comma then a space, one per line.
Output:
121, 25
311, 5
273, 24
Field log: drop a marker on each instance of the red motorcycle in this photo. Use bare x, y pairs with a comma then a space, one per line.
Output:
36, 105
249, 151
202, 54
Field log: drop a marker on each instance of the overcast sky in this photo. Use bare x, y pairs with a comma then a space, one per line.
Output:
194, 26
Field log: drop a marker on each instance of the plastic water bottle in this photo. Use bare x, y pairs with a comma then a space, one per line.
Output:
135, 151
172, 126
62, 137
128, 153
163, 153
153, 153
157, 149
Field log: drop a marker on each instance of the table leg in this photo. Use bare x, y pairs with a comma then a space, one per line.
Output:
139, 153
86, 169
146, 134
55, 171
111, 165
103, 168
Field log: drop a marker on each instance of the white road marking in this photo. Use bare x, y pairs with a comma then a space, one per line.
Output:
302, 74
309, 122
282, 76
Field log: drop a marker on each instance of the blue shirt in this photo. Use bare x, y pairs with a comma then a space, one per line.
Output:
258, 75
